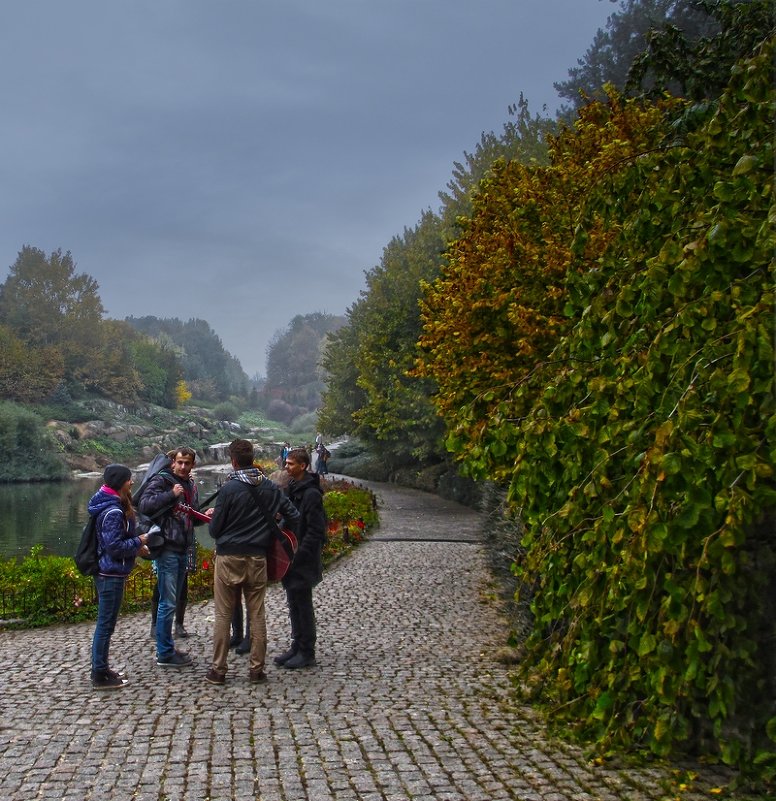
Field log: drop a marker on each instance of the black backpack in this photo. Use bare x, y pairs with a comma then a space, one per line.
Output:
86, 559
160, 462
145, 524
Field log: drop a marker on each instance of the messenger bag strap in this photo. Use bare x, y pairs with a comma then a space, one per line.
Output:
272, 523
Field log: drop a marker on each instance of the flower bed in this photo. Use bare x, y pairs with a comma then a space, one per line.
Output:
41, 589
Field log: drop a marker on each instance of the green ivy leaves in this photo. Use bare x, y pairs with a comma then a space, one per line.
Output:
644, 468
602, 339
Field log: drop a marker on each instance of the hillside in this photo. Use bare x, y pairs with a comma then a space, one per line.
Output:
97, 432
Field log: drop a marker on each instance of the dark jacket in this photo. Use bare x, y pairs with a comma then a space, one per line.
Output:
307, 568
238, 527
177, 527
117, 545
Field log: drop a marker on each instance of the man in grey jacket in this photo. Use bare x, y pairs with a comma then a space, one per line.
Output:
242, 535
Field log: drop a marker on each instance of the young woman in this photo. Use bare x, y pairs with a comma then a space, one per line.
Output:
117, 548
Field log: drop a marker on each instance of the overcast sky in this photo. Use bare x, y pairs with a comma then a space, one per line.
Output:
244, 161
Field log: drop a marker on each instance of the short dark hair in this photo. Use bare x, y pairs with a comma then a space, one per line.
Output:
299, 455
242, 452
184, 450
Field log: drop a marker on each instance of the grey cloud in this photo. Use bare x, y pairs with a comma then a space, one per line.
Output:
244, 162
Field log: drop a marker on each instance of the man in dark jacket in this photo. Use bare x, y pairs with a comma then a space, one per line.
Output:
304, 490
162, 499
242, 534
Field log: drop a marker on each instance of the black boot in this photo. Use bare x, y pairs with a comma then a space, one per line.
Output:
281, 659
245, 646
301, 660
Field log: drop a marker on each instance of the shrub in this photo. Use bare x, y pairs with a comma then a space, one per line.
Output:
226, 411
28, 452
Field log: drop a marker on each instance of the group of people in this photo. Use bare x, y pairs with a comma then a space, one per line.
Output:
247, 508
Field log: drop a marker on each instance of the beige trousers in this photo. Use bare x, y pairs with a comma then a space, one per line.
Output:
234, 575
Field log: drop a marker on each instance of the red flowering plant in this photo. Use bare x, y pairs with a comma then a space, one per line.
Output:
351, 510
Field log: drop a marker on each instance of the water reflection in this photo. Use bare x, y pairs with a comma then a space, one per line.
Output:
53, 514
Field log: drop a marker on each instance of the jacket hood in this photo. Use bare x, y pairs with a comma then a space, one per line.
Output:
308, 480
100, 501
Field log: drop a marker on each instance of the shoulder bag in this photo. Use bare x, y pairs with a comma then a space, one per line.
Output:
283, 547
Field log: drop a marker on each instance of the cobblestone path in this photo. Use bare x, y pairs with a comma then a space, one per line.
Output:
407, 704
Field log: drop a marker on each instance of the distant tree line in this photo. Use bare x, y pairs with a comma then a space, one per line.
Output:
56, 345
295, 378
210, 371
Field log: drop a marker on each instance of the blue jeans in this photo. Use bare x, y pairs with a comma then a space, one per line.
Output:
170, 575
110, 593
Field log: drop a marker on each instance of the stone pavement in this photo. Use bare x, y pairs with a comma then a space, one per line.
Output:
407, 704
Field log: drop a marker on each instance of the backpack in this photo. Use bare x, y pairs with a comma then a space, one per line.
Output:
160, 462
146, 524
86, 559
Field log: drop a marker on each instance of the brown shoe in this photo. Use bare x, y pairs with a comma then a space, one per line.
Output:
257, 677
214, 677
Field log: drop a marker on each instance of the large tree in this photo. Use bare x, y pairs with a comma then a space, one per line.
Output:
372, 390
28, 373
159, 371
498, 307
698, 67
45, 302
342, 396
614, 50
57, 313
398, 417
523, 138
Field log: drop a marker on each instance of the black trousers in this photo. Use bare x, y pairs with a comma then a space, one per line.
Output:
238, 631
302, 615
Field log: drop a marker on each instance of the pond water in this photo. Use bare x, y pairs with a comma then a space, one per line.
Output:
52, 514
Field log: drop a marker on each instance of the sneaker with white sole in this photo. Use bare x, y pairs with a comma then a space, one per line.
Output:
107, 680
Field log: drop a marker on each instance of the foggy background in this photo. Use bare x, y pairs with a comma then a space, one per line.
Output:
244, 162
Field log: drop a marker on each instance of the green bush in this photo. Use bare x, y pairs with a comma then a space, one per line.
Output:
226, 411
40, 590
346, 503
28, 452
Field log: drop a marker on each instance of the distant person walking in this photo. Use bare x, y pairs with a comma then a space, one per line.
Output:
242, 536
283, 453
117, 548
304, 490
